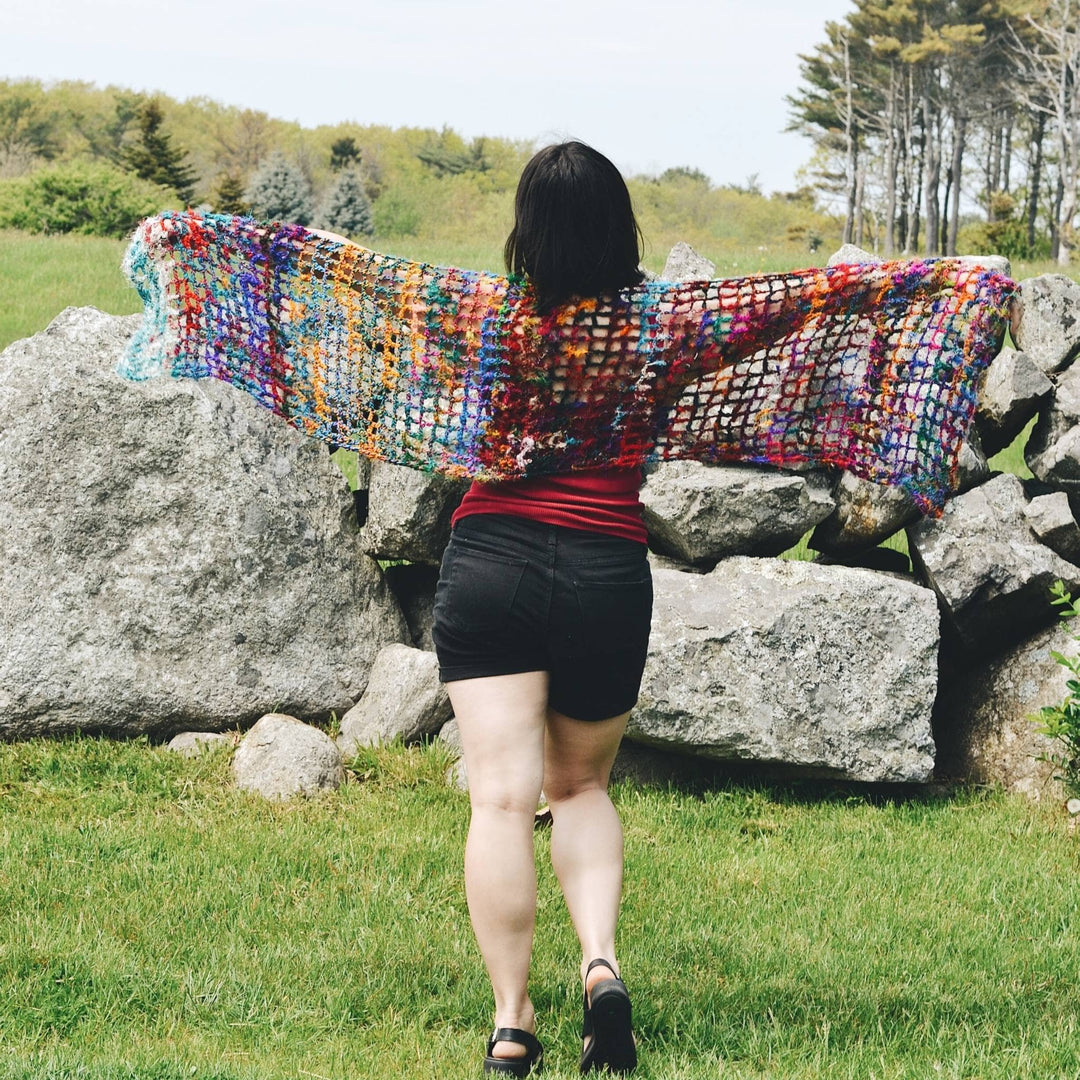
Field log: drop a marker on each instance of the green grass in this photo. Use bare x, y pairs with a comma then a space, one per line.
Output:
42, 275
160, 924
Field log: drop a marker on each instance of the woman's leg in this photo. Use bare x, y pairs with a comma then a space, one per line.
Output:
501, 720
586, 835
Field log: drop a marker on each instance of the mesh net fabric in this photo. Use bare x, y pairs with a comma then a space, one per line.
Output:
868, 368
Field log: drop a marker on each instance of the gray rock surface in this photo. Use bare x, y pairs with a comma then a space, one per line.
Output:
404, 699
987, 567
175, 556
281, 757
701, 513
983, 716
849, 255
824, 668
1049, 330
685, 264
1053, 450
409, 513
193, 743
1051, 520
867, 513
1010, 392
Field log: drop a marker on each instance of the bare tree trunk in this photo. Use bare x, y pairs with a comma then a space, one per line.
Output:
932, 179
1055, 227
890, 165
955, 172
1035, 182
860, 183
849, 137
1006, 159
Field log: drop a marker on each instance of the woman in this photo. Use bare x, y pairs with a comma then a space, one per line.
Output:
541, 625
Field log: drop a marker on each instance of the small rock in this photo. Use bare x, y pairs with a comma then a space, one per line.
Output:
457, 775
1049, 331
281, 757
685, 264
700, 513
1053, 451
1073, 806
850, 255
409, 513
404, 699
193, 743
1051, 520
988, 569
1010, 392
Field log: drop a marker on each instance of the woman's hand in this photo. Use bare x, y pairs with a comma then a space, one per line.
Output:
329, 236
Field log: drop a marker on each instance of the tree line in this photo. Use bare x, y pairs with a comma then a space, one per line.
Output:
920, 110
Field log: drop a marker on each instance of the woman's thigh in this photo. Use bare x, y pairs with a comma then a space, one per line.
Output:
501, 719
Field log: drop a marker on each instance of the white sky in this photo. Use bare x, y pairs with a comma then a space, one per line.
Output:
650, 83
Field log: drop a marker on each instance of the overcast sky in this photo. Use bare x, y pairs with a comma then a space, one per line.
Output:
651, 83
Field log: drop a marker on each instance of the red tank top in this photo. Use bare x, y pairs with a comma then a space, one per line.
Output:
596, 500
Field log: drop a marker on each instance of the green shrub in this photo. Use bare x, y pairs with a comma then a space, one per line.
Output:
396, 215
279, 191
1062, 722
93, 199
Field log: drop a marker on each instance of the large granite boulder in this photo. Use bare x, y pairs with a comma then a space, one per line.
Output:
1053, 450
984, 716
403, 700
990, 572
850, 254
409, 513
175, 557
1010, 392
822, 670
1049, 329
701, 513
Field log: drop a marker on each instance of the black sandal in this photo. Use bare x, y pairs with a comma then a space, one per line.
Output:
606, 1017
530, 1063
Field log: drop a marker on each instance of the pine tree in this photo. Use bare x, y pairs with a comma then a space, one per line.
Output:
344, 153
154, 157
279, 191
346, 208
229, 196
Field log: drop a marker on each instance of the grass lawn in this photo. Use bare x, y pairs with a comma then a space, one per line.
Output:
161, 925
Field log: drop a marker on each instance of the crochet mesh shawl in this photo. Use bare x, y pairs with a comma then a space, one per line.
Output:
868, 368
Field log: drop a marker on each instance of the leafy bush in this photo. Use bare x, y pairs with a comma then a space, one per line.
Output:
346, 208
279, 191
396, 215
1062, 722
94, 199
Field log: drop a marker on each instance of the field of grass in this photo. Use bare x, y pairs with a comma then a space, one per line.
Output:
161, 925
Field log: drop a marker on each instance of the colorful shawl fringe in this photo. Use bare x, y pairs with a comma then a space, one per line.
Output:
868, 368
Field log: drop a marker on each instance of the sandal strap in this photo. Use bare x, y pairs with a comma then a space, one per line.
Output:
519, 1036
601, 962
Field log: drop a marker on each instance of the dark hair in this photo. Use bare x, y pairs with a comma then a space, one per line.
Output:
574, 231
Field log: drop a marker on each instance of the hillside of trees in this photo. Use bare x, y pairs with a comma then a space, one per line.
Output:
130, 155
921, 111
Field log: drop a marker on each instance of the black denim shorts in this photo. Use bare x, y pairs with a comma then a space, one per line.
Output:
516, 595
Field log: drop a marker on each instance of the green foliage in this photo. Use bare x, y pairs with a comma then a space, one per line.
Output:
1062, 722
346, 208
153, 157
93, 199
279, 191
396, 215
343, 153
228, 197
